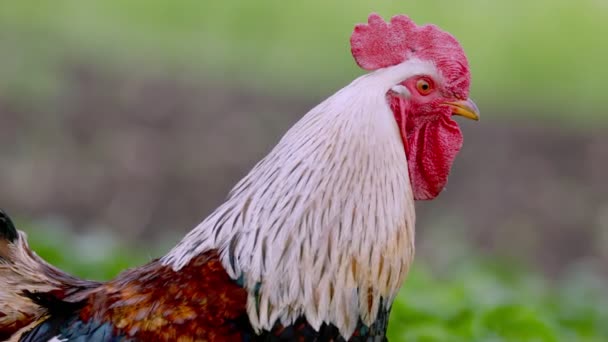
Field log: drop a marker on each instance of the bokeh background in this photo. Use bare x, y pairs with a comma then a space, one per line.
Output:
123, 123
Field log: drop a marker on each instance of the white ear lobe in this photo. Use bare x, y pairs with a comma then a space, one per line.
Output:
401, 91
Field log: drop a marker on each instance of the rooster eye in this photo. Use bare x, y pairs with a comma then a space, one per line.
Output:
424, 86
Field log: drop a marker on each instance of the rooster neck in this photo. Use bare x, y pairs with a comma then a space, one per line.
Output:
323, 226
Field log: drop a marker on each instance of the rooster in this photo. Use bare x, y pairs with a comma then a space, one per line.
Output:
312, 245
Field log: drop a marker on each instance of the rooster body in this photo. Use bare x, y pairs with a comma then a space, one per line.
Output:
313, 244
149, 303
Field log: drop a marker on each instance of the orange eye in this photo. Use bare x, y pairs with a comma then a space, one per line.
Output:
424, 86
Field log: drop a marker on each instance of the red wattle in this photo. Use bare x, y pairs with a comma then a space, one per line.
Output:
430, 144
433, 145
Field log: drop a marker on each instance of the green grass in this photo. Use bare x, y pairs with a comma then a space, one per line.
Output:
473, 299
489, 301
524, 55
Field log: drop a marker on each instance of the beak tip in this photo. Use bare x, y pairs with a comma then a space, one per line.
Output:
466, 108
474, 108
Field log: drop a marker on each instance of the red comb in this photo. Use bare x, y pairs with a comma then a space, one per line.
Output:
380, 44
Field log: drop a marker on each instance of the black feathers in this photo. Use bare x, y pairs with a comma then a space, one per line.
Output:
54, 305
7, 228
72, 329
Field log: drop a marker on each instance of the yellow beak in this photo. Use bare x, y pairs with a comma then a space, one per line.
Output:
467, 108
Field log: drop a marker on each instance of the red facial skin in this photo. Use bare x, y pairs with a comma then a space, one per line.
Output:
430, 136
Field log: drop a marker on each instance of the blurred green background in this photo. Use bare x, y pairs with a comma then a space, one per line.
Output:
124, 123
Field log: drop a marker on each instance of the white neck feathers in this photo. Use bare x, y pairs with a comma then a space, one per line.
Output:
323, 226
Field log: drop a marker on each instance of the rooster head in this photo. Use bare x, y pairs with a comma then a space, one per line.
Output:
423, 104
